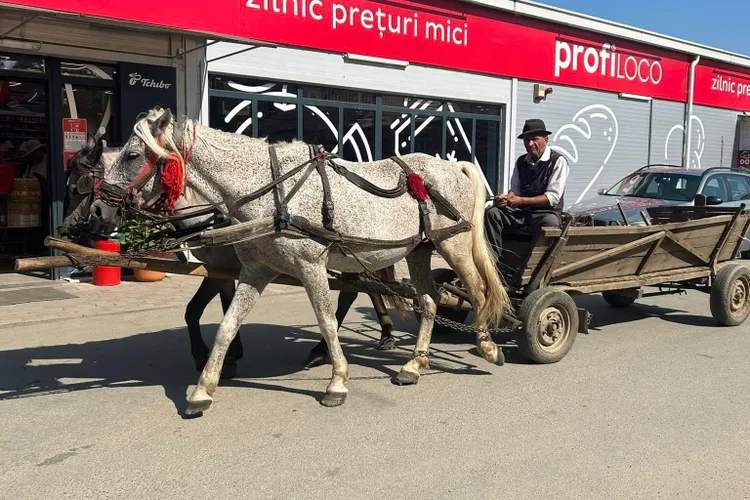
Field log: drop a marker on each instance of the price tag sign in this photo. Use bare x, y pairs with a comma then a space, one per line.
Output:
74, 137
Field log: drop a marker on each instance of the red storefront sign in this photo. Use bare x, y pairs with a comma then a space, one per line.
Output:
722, 86
74, 137
744, 160
443, 33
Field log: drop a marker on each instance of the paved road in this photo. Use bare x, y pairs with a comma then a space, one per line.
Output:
653, 403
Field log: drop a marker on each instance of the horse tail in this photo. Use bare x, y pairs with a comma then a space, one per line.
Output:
497, 301
395, 302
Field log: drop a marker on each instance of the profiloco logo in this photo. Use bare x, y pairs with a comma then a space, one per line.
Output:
135, 78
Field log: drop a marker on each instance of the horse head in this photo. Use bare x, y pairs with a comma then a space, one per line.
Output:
83, 167
148, 174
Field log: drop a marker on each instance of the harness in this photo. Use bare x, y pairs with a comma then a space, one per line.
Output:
127, 199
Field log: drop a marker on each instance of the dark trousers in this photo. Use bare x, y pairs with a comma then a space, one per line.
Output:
498, 220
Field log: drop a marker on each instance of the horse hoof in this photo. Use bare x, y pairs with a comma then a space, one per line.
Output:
386, 344
332, 399
315, 359
195, 409
500, 361
405, 377
229, 371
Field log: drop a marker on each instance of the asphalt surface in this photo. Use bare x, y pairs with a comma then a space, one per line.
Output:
652, 403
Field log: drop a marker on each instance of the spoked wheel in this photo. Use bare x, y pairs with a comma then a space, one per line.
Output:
549, 326
441, 276
730, 295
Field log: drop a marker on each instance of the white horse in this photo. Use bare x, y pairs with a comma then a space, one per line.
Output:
181, 164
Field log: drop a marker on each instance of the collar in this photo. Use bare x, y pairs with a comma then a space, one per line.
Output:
545, 157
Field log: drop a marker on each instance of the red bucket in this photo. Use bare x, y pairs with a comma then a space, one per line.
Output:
107, 275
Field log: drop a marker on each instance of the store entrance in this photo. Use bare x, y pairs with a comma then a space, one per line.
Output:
24, 169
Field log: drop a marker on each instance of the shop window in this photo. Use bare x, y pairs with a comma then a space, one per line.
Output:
472, 136
428, 135
96, 105
277, 121
487, 150
396, 133
252, 86
87, 70
230, 115
24, 170
15, 62
415, 103
473, 108
340, 95
359, 135
458, 138
320, 127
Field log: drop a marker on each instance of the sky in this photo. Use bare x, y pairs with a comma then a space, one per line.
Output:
721, 24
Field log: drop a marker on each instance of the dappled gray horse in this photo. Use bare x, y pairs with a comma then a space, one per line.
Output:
269, 190
90, 163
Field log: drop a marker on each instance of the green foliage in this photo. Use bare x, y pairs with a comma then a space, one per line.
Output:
143, 235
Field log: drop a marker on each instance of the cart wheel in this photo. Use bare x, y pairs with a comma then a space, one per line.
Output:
617, 300
441, 276
550, 325
730, 295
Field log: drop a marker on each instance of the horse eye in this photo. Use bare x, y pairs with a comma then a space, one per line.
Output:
133, 155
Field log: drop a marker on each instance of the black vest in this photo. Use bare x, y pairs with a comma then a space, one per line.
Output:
534, 180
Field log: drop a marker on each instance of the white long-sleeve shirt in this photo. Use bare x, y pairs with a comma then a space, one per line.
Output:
557, 181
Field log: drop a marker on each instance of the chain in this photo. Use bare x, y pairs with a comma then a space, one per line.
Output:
435, 317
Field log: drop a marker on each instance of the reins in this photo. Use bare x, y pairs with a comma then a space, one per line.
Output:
127, 199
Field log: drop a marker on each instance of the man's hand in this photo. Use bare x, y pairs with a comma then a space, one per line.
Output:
513, 201
501, 200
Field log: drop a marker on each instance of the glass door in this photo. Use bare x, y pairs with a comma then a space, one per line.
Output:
24, 169
88, 95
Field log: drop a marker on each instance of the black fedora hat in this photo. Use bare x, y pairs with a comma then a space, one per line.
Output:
534, 126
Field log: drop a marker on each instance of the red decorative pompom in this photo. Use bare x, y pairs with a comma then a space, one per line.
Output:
416, 186
173, 181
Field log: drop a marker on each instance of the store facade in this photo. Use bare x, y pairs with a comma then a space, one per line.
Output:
61, 80
613, 104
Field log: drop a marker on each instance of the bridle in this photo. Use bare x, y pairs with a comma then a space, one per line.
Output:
173, 180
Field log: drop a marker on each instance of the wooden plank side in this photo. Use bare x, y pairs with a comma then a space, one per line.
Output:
608, 254
621, 230
624, 282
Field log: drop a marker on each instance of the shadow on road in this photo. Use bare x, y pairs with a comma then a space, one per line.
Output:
605, 315
274, 356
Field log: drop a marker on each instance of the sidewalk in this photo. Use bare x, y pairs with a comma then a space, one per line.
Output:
61, 300
41, 300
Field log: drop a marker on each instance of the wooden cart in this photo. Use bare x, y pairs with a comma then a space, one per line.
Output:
677, 248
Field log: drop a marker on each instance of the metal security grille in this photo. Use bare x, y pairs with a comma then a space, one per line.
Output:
358, 125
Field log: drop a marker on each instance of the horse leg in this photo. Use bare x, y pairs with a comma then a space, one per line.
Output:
468, 273
319, 353
251, 284
387, 340
419, 270
208, 289
315, 281
236, 351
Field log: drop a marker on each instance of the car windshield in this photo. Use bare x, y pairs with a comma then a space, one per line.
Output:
657, 185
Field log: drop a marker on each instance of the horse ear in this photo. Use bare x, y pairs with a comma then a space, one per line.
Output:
98, 149
159, 126
90, 143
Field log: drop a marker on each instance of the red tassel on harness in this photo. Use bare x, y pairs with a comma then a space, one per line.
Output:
416, 186
172, 180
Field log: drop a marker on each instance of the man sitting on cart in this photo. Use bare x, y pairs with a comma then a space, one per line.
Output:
535, 199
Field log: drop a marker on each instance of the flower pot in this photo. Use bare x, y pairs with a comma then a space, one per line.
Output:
147, 276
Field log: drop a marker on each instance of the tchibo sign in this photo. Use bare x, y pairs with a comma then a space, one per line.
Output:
137, 79
607, 62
